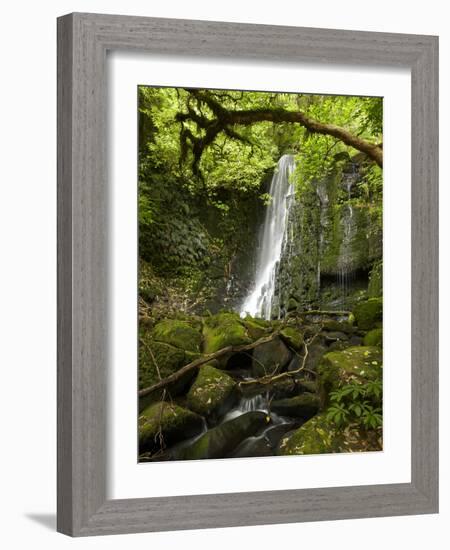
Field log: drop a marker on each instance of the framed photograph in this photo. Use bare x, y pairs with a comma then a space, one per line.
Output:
247, 274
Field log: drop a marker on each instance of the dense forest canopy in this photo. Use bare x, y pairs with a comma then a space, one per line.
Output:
208, 153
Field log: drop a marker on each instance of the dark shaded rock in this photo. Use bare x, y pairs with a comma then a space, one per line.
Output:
304, 405
356, 340
274, 434
337, 326
221, 440
339, 345
270, 358
166, 423
252, 447
211, 393
335, 336
315, 353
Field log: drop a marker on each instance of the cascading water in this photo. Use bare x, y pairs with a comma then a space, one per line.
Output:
260, 300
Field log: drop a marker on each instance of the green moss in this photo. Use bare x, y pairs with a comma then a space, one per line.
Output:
254, 328
358, 364
293, 337
316, 436
374, 337
222, 330
320, 436
179, 334
340, 326
210, 391
369, 314
375, 288
159, 360
169, 421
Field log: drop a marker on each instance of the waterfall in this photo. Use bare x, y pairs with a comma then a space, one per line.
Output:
345, 256
259, 301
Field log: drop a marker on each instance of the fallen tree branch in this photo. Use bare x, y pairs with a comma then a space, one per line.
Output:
205, 359
270, 378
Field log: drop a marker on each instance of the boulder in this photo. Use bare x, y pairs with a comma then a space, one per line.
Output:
314, 437
179, 334
221, 440
256, 328
369, 314
211, 393
374, 337
292, 337
223, 330
158, 360
303, 406
333, 325
321, 436
270, 358
358, 365
163, 424
275, 433
335, 336
252, 447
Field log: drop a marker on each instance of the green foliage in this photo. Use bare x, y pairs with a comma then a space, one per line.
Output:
357, 404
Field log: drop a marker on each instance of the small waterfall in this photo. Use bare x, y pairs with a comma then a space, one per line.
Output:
259, 302
345, 255
322, 193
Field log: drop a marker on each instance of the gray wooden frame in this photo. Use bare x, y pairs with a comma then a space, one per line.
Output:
83, 40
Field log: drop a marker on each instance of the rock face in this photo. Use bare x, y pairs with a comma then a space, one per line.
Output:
335, 240
166, 423
223, 439
303, 406
369, 314
270, 358
358, 364
211, 393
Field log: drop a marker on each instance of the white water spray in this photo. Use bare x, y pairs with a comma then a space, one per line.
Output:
259, 301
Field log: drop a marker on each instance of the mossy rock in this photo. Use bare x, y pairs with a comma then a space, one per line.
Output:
333, 325
211, 392
158, 360
292, 337
270, 358
321, 436
221, 440
358, 364
317, 436
374, 337
169, 422
223, 330
369, 314
178, 333
375, 287
304, 406
255, 329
